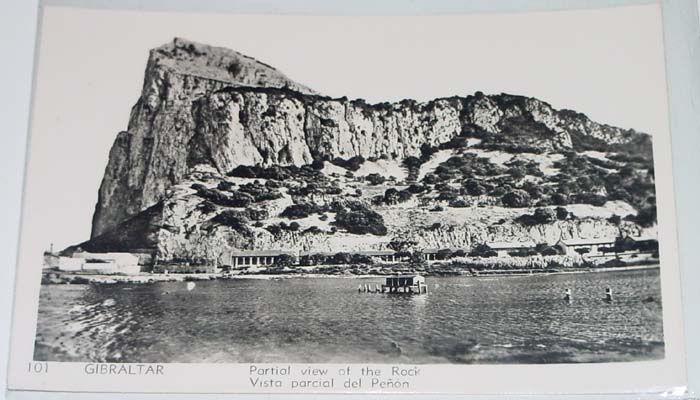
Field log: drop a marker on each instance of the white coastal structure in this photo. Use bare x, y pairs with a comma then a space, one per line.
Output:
103, 263
258, 257
588, 247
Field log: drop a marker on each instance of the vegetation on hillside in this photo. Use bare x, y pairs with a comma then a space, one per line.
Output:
545, 180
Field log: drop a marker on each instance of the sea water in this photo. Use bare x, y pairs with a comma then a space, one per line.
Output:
516, 319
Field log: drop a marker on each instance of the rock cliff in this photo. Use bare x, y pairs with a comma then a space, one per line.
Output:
184, 227
150, 155
184, 119
204, 111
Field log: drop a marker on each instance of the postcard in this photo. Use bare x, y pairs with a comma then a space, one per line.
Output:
239, 203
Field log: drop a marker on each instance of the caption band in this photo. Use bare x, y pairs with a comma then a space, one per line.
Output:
344, 378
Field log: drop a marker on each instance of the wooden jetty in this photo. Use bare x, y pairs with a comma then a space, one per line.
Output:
402, 284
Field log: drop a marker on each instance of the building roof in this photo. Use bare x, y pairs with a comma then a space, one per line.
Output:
259, 253
376, 253
587, 241
510, 245
371, 253
316, 253
432, 250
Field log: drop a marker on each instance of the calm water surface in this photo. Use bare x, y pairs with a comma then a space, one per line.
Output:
461, 320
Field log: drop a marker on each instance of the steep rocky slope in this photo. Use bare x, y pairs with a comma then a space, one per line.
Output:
198, 220
149, 156
200, 172
248, 126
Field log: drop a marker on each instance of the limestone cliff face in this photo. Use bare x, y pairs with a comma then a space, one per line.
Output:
209, 105
150, 155
248, 126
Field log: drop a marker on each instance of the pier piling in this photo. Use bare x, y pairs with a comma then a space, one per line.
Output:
403, 284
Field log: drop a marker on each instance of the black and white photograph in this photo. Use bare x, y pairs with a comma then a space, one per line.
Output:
477, 189
246, 217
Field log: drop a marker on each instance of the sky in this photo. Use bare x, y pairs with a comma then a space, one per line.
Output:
605, 63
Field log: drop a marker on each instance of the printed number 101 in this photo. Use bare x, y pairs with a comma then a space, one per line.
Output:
38, 367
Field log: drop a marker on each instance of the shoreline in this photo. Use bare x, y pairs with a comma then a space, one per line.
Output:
52, 277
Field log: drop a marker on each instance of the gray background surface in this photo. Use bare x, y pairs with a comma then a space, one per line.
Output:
18, 21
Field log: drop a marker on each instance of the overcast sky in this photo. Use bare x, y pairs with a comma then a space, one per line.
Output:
607, 64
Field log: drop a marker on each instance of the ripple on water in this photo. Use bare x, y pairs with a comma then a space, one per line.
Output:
462, 320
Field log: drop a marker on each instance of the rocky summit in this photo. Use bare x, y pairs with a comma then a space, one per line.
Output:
149, 156
224, 153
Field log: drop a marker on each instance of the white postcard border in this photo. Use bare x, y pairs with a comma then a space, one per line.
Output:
648, 376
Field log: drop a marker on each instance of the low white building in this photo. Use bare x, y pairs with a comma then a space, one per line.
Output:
588, 247
103, 263
246, 258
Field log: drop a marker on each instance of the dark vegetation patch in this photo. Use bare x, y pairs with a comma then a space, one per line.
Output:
246, 194
623, 244
469, 169
521, 183
543, 216
357, 218
233, 219
315, 188
226, 199
303, 210
300, 181
352, 164
277, 172
137, 234
483, 250
375, 179
393, 196
645, 217
353, 216
259, 192
276, 229
335, 259
517, 198
584, 181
